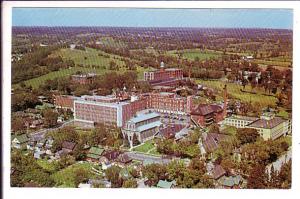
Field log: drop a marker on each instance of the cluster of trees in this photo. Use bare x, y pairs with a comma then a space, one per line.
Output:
187, 148
260, 179
113, 174
186, 176
26, 170
37, 63
24, 98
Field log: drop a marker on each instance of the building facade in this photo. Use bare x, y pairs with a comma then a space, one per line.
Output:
268, 125
144, 126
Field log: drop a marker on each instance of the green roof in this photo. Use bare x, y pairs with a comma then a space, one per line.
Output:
21, 138
96, 150
90, 155
165, 184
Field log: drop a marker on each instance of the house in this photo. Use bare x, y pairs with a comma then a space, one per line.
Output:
123, 160
68, 147
49, 143
20, 141
218, 172
105, 165
206, 114
232, 182
30, 145
210, 142
112, 155
39, 154
94, 153
166, 184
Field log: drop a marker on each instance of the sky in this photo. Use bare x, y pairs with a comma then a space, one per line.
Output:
134, 17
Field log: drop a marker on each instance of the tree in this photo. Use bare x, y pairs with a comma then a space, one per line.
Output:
81, 175
50, 117
81, 90
154, 173
214, 128
257, 178
247, 135
130, 183
18, 124
113, 175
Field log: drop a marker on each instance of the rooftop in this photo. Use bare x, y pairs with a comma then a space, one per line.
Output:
205, 109
165, 184
143, 117
267, 124
149, 126
240, 117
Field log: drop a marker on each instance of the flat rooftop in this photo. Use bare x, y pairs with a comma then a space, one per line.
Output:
267, 124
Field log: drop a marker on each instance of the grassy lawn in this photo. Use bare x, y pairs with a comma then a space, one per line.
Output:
193, 53
88, 57
65, 177
230, 130
144, 148
234, 90
49, 166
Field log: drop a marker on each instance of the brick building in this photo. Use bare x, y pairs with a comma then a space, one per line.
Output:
64, 101
164, 76
166, 102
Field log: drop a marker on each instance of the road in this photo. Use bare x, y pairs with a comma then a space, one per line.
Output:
38, 135
142, 157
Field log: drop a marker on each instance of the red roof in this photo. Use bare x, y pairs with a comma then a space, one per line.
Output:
267, 124
111, 155
218, 172
124, 158
212, 141
205, 109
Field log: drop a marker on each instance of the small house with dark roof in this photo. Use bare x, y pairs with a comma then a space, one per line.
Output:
218, 172
123, 160
112, 155
68, 146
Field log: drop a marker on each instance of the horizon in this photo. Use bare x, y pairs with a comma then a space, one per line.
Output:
153, 18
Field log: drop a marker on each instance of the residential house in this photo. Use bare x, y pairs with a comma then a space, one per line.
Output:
231, 182
20, 141
218, 172
68, 147
123, 160
166, 184
94, 153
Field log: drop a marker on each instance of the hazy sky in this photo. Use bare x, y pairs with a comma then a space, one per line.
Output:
248, 18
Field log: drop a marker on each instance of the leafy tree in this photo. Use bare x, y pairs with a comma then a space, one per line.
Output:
257, 178
247, 135
130, 183
81, 175
113, 175
50, 117
154, 173
214, 128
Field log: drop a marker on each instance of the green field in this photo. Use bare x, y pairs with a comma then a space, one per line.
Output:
193, 53
89, 57
48, 166
145, 147
235, 91
93, 63
65, 177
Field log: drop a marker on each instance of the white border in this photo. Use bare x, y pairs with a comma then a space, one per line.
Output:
12, 193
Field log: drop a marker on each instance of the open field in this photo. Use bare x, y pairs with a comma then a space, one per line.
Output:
48, 166
89, 57
273, 62
66, 177
193, 53
235, 91
93, 63
144, 148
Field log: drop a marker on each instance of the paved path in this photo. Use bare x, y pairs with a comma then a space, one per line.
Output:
143, 157
38, 135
